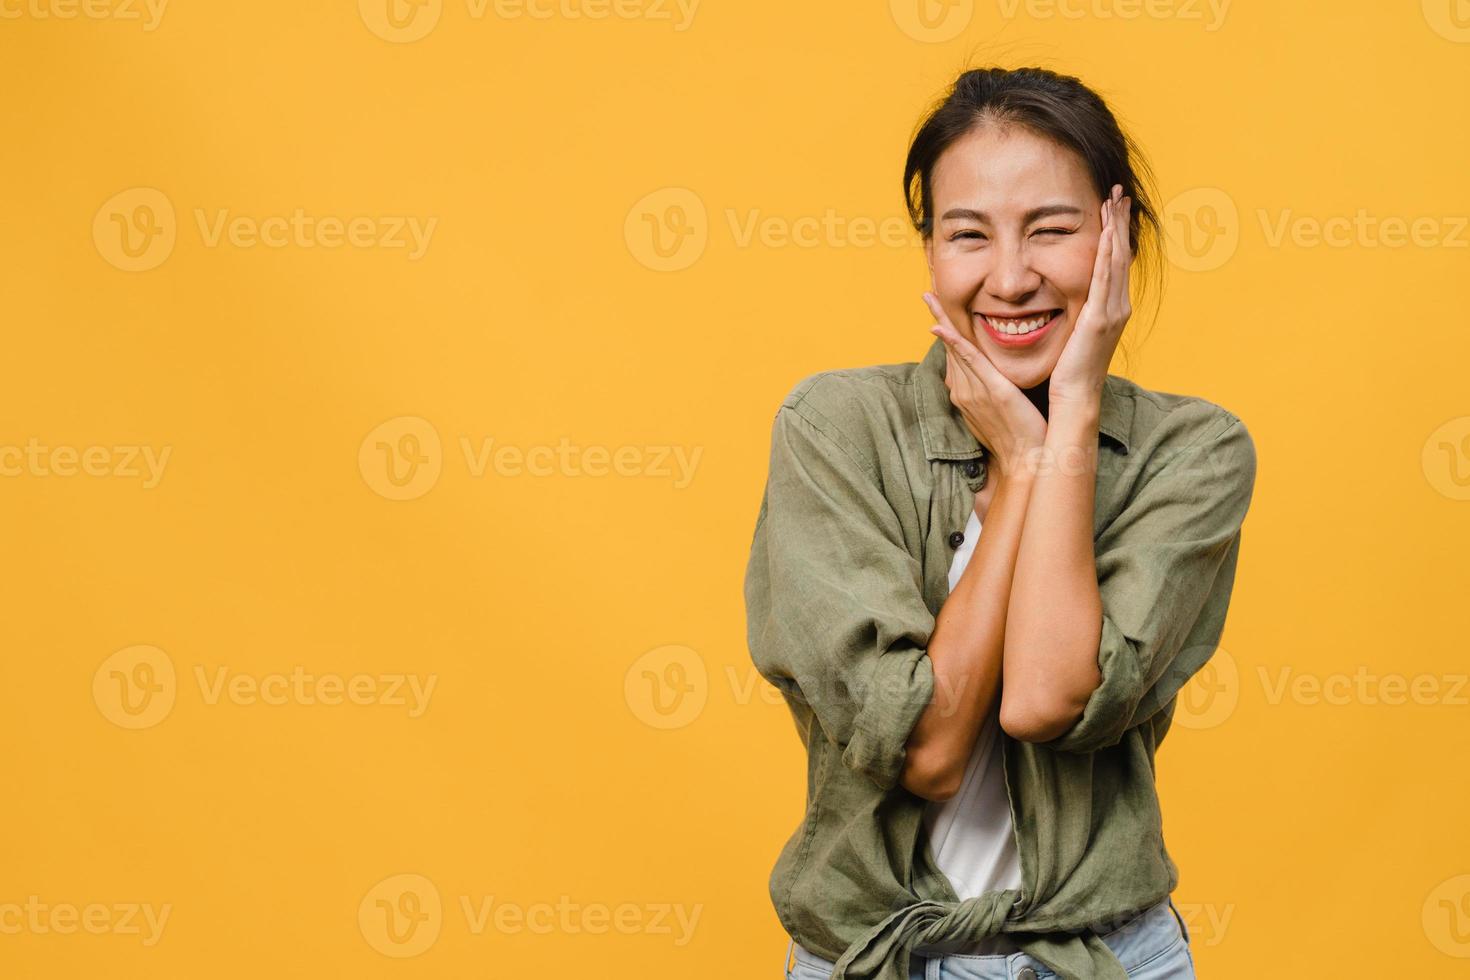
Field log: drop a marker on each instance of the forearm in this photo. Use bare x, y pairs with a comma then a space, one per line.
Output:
965, 649
1054, 620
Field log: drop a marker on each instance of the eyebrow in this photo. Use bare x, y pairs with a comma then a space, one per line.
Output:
1045, 211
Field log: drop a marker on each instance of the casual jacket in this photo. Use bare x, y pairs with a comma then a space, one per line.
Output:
872, 478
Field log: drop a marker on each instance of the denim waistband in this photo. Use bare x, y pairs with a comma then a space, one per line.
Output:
1139, 939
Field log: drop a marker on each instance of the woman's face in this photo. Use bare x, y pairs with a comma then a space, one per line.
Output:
1015, 237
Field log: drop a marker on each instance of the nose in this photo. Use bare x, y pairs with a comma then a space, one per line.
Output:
1011, 277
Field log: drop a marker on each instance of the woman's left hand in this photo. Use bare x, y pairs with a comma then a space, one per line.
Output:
1083, 365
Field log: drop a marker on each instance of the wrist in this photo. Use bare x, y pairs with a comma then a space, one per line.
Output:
1074, 394
1072, 417
1071, 439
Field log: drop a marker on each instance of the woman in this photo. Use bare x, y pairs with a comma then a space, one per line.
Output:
981, 712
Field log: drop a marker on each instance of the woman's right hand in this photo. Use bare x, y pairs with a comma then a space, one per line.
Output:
997, 413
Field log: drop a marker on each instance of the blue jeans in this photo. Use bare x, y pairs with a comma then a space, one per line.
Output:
1153, 945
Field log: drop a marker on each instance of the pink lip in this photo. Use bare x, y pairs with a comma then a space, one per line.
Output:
1025, 340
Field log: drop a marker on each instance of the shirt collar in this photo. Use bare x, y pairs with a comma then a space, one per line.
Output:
943, 428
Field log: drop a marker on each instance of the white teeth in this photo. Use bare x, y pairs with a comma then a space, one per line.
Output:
1014, 327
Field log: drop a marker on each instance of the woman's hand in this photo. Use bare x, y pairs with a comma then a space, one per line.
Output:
1083, 365
996, 412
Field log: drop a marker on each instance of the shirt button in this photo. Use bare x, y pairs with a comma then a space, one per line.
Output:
972, 468
956, 538
1025, 973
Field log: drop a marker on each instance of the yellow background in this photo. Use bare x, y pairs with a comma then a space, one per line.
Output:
1327, 837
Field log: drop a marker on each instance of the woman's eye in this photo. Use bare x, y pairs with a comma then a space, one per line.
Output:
965, 234
1054, 231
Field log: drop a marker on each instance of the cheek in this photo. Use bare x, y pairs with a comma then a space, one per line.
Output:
956, 280
1070, 270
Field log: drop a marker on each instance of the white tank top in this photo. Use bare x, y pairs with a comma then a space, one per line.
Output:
970, 833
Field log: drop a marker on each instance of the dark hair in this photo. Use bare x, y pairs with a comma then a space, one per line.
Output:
1056, 107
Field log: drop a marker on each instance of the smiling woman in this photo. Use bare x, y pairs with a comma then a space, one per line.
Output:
981, 710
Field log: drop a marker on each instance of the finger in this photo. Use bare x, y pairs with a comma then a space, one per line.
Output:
970, 357
1122, 259
1097, 292
1123, 226
945, 329
972, 361
1118, 262
959, 385
937, 308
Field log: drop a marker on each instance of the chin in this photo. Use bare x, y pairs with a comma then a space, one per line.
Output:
1022, 375
1027, 380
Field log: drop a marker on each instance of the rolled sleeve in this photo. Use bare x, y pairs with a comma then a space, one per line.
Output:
1166, 569
836, 617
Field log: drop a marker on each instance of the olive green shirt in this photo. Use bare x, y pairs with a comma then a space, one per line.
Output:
872, 478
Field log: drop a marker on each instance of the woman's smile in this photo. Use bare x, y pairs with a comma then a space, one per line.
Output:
1019, 329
